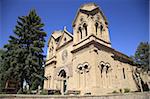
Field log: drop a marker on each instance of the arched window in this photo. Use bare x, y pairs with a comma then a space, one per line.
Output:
96, 27
83, 68
107, 67
124, 76
65, 40
50, 52
80, 68
80, 30
86, 67
101, 66
85, 28
62, 73
101, 28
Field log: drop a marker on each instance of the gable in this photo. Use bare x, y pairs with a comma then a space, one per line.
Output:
55, 36
66, 37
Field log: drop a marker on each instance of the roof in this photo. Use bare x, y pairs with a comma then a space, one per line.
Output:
90, 9
55, 35
88, 6
58, 34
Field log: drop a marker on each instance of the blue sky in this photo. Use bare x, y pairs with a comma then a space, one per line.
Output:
128, 19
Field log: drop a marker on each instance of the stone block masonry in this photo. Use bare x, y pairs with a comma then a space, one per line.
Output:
145, 95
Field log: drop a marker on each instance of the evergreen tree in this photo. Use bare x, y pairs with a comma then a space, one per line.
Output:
24, 56
2, 83
141, 56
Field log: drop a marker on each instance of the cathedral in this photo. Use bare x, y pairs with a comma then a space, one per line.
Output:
83, 62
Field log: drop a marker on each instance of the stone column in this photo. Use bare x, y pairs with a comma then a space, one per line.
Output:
104, 77
79, 80
48, 82
85, 79
62, 87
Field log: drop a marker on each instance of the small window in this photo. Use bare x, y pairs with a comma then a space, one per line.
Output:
124, 76
102, 66
62, 73
65, 39
96, 27
101, 28
50, 50
52, 44
81, 19
80, 68
80, 30
85, 27
86, 66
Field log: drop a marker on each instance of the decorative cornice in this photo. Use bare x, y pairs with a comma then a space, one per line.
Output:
89, 37
117, 55
52, 62
83, 46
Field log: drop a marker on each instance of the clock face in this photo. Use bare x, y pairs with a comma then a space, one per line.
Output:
64, 55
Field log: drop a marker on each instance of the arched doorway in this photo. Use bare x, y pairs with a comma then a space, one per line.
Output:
62, 74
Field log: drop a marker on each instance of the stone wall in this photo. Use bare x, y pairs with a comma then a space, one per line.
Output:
113, 96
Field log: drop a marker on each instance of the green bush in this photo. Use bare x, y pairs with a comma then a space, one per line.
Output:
114, 91
126, 90
44, 92
57, 93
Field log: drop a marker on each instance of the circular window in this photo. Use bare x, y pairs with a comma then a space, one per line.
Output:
64, 55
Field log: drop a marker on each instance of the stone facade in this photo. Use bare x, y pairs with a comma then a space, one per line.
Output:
85, 61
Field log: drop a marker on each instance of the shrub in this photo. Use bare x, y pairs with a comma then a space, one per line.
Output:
57, 93
44, 92
126, 90
114, 91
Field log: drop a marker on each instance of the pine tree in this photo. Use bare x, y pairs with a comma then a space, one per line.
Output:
2, 83
24, 56
141, 56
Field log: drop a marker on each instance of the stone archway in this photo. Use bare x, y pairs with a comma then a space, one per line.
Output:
63, 75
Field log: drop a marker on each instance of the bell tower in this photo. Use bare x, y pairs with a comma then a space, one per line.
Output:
90, 21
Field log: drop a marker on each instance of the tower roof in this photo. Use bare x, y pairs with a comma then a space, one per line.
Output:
90, 9
89, 6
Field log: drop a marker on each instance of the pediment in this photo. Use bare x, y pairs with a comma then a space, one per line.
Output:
66, 37
55, 37
57, 34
